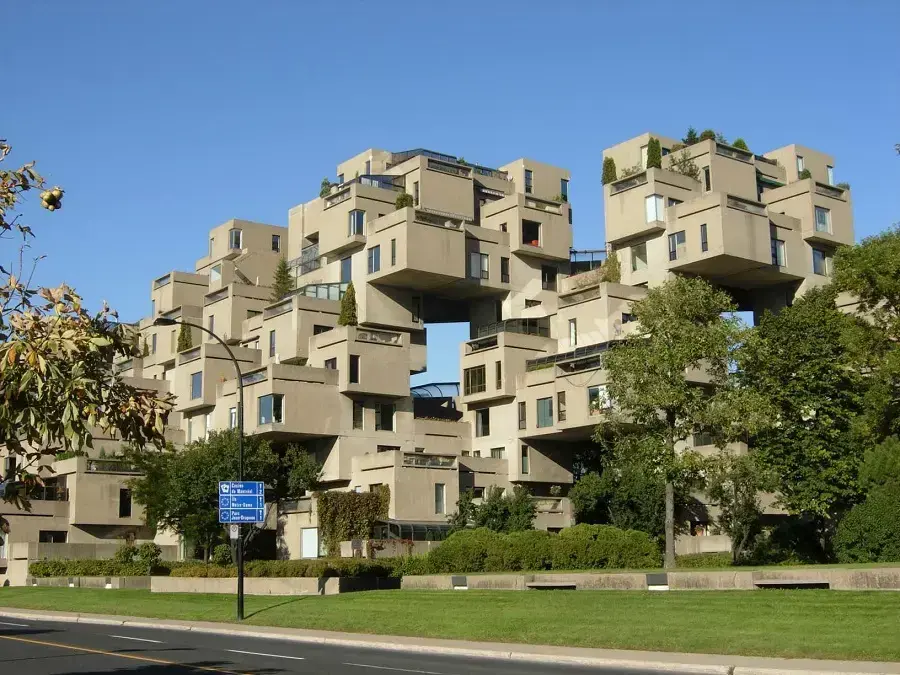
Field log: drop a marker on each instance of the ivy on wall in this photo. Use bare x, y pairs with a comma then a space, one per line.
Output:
350, 515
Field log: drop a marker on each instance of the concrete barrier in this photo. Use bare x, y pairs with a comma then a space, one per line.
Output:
272, 585
725, 580
136, 583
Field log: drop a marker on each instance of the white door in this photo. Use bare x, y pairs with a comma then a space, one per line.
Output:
309, 542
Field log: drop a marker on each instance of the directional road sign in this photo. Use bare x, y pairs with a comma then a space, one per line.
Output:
242, 502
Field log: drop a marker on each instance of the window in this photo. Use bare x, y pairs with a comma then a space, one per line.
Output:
676, 245
564, 189
52, 536
532, 303
483, 422
522, 420
478, 493
707, 180
393, 252
357, 222
823, 219
653, 208
331, 364
374, 259
208, 424
358, 411
317, 329
276, 243
498, 374
478, 265
497, 453
190, 429
525, 463
271, 344
232, 418
529, 181
153, 343
474, 381
439, 498
354, 369
627, 317
548, 277
503, 227
368, 166
561, 406
196, 385
671, 201
821, 262
531, 233
215, 274
235, 239
466, 453
153, 308
644, 150
573, 332
830, 170
704, 241
12, 465
340, 178
598, 399
124, 503
778, 252
703, 438
211, 324
476, 453
346, 270
416, 193
212, 243
416, 310
271, 409
801, 165
504, 270
639, 257
384, 417
544, 412
418, 449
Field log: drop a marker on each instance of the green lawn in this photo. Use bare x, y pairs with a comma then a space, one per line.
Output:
800, 623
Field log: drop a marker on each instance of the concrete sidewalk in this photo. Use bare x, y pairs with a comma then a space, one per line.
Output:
609, 658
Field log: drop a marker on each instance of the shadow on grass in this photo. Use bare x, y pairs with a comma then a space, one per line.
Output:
289, 601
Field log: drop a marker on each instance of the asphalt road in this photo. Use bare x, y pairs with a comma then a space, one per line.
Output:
48, 648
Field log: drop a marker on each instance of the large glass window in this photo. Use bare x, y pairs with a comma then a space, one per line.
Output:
478, 265
271, 409
544, 412
235, 239
504, 270
497, 453
393, 252
801, 165
483, 422
271, 344
564, 189
573, 332
823, 219
331, 364
346, 270
358, 410
498, 374
440, 505
232, 418
707, 179
215, 274
474, 381
354, 369
124, 503
522, 415
374, 259
529, 181
639, 257
384, 417
778, 252
830, 170
677, 245
357, 222
196, 385
654, 206
821, 262
531, 233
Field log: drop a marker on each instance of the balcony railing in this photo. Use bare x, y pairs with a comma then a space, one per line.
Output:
480, 344
440, 218
539, 326
582, 296
491, 173
379, 337
773, 162
162, 281
332, 291
282, 307
215, 297
400, 157
540, 205
189, 355
829, 191
734, 153
629, 182
110, 466
253, 378
396, 183
574, 355
418, 459
744, 205
452, 169
308, 261
341, 196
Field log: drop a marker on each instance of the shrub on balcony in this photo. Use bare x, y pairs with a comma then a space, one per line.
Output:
348, 308
611, 270
708, 135
843, 186
632, 170
325, 188
805, 174
185, 340
740, 144
609, 170
404, 200
678, 146
654, 154
684, 164
690, 137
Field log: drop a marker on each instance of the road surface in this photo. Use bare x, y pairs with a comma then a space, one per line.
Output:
30, 647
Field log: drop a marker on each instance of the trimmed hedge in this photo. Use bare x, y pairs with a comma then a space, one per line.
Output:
871, 531
699, 560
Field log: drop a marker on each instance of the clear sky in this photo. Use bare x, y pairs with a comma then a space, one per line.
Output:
163, 119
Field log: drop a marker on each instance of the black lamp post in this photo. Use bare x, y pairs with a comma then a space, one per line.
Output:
163, 321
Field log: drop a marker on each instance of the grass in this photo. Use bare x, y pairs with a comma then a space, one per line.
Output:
804, 623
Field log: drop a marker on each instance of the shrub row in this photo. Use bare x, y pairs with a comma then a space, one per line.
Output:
578, 547
701, 560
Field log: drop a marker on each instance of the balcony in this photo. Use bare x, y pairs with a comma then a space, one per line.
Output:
540, 327
639, 205
331, 291
309, 260
801, 200
575, 360
537, 227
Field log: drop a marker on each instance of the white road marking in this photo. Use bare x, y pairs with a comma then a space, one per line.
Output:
127, 637
399, 670
17, 625
274, 656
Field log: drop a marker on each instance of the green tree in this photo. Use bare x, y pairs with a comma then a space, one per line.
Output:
708, 135
283, 282
58, 380
611, 270
404, 199
684, 164
522, 510
512, 512
733, 483
609, 170
185, 339
325, 188
464, 514
804, 174
740, 144
304, 472
870, 532
588, 497
654, 154
656, 405
348, 307
145, 350
691, 136
881, 465
798, 360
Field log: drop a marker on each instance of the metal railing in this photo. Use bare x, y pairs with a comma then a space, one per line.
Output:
110, 466
379, 337
491, 173
215, 297
332, 291
629, 182
400, 157
539, 326
829, 191
419, 459
480, 344
341, 196
452, 169
744, 205
396, 183
308, 260
574, 355
189, 355
162, 281
257, 376
734, 153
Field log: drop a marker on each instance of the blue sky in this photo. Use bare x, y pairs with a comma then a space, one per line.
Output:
165, 119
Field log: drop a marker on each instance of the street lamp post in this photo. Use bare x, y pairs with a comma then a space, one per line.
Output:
163, 321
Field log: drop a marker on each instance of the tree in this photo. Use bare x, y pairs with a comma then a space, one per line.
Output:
588, 497
303, 471
733, 483
464, 514
871, 531
609, 170
145, 350
611, 269
521, 510
185, 339
681, 332
283, 282
404, 199
684, 164
691, 136
58, 380
881, 465
740, 144
348, 307
799, 361
803, 175
654, 154
510, 512
325, 188
707, 135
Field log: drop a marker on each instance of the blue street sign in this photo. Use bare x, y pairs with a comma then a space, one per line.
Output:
242, 502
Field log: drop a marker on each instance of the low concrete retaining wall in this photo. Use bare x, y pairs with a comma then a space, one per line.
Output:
272, 586
876, 578
137, 583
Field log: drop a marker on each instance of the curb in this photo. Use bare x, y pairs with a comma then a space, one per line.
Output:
501, 654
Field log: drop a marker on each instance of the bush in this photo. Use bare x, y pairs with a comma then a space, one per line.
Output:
609, 171
464, 551
870, 532
404, 199
740, 144
805, 174
604, 546
524, 551
695, 560
793, 541
85, 568
654, 154
125, 554
410, 565
707, 135
221, 555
